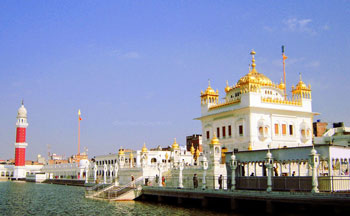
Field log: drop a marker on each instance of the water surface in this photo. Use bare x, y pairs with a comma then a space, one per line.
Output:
20, 198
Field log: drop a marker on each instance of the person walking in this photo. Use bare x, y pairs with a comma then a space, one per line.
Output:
163, 181
220, 182
133, 181
195, 181
157, 179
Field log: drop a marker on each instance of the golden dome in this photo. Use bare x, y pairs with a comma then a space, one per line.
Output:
121, 151
254, 76
281, 85
215, 140
144, 149
192, 149
227, 89
210, 91
301, 85
197, 153
175, 145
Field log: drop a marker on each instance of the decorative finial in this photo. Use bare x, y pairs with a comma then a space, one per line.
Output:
299, 76
22, 102
208, 82
253, 59
226, 83
79, 113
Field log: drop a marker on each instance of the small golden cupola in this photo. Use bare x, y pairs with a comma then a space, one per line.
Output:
121, 151
281, 85
253, 80
175, 145
228, 88
215, 140
192, 149
144, 149
301, 90
209, 96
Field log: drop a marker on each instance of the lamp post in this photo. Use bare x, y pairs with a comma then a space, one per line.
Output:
181, 167
110, 173
314, 161
205, 167
87, 174
233, 164
104, 173
160, 174
116, 169
269, 165
95, 172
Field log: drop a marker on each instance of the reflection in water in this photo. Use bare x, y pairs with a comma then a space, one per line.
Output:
18, 198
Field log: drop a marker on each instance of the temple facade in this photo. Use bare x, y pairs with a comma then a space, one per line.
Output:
256, 113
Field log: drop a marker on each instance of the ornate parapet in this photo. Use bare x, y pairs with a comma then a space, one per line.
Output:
281, 101
224, 104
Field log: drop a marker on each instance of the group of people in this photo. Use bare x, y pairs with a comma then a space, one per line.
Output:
195, 181
163, 180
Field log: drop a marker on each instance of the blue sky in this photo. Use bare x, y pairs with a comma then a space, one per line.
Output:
136, 68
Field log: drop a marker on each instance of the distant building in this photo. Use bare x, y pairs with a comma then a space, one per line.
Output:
339, 135
195, 140
40, 159
319, 128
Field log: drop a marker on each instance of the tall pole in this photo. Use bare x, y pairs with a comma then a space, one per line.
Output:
79, 119
284, 72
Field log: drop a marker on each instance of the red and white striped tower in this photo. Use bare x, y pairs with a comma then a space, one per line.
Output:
20, 145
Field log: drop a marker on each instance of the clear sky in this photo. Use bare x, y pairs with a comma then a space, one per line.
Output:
136, 68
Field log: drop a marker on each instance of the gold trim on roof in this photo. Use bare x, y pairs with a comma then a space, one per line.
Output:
225, 104
281, 101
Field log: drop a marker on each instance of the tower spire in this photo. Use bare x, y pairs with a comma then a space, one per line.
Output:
284, 57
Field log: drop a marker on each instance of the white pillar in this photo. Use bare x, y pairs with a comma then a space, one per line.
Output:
180, 175
86, 174
205, 167
95, 172
255, 169
116, 170
314, 162
105, 174
330, 166
160, 174
233, 164
110, 173
248, 170
280, 174
290, 168
269, 165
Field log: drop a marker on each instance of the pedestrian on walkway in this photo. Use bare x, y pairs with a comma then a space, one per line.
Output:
220, 182
195, 181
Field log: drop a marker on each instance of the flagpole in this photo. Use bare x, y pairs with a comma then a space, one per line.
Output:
79, 132
284, 73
